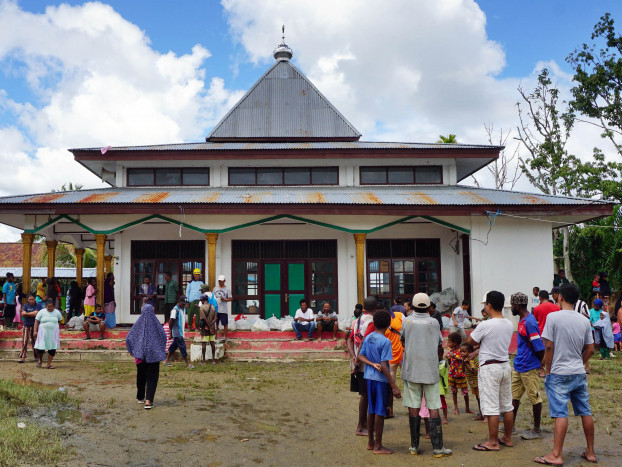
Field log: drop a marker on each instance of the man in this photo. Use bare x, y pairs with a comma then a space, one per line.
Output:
407, 308
535, 301
568, 345
148, 291
171, 288
176, 325
222, 294
327, 320
495, 374
95, 322
459, 316
303, 320
560, 279
544, 309
437, 315
193, 294
555, 295
8, 298
582, 308
529, 354
421, 336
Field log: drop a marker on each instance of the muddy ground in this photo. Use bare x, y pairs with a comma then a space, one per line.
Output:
274, 414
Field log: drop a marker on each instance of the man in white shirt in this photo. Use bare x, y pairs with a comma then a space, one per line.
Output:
303, 320
495, 373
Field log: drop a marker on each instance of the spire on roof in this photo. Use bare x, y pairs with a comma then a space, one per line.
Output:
283, 52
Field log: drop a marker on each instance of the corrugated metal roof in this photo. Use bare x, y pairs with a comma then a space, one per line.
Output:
454, 195
274, 146
284, 104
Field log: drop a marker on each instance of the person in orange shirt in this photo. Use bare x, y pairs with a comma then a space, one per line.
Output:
394, 334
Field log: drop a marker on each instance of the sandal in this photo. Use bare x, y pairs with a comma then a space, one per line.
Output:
584, 456
39, 364
482, 447
543, 461
51, 367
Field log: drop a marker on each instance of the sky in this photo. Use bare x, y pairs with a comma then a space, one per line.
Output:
93, 74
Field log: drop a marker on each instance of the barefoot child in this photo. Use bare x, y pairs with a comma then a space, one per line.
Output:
617, 336
471, 368
457, 375
443, 385
375, 354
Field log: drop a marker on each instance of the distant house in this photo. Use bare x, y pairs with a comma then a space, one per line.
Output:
287, 202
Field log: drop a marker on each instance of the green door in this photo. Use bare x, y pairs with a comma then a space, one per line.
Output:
273, 298
295, 287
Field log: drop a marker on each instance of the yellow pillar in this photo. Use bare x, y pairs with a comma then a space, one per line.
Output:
51, 245
79, 256
108, 263
100, 240
359, 239
212, 238
26, 262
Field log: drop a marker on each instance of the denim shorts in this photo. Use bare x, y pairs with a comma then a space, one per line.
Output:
562, 388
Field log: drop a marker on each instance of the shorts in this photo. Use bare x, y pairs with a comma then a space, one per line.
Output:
94, 327
377, 397
459, 330
459, 383
222, 318
362, 383
89, 310
495, 388
562, 388
529, 382
617, 337
178, 343
210, 338
327, 325
413, 392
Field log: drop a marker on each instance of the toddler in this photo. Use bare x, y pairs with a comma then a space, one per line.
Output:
471, 368
596, 286
457, 376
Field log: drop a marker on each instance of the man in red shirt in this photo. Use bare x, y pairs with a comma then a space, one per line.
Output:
541, 311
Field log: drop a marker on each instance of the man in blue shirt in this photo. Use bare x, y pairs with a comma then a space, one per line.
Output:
527, 363
8, 298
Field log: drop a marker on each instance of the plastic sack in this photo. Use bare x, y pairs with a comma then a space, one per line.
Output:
260, 325
232, 325
274, 323
343, 324
76, 322
243, 325
445, 301
286, 324
446, 322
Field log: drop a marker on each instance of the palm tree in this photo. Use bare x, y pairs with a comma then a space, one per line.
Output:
451, 139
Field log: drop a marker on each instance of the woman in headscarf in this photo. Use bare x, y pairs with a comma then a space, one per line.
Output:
40, 297
47, 332
145, 342
604, 334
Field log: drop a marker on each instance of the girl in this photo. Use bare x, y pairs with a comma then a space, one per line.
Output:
617, 336
471, 368
47, 332
443, 384
457, 375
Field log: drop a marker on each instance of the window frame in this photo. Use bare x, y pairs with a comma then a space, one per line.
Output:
153, 171
386, 171
282, 169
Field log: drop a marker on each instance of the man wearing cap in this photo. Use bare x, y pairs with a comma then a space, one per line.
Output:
193, 294
421, 336
222, 294
176, 324
529, 354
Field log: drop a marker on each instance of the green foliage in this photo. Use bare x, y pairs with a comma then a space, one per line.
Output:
450, 139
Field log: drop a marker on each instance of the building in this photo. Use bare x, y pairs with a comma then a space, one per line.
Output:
286, 201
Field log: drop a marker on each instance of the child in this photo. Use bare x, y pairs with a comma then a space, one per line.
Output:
471, 368
29, 313
207, 326
443, 384
457, 376
375, 354
535, 301
596, 286
617, 336
95, 322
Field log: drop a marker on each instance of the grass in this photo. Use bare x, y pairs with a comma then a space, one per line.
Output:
36, 444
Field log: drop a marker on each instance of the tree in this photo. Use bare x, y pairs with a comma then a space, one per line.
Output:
450, 139
68, 187
505, 170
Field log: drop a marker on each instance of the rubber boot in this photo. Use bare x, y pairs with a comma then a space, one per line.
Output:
436, 435
415, 429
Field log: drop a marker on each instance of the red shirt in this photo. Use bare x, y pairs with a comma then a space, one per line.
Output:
541, 312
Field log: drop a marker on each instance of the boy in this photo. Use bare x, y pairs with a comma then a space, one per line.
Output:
458, 317
375, 354
29, 313
207, 326
96, 321
535, 300
176, 325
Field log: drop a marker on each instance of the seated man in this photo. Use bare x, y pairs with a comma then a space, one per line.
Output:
95, 322
303, 320
327, 321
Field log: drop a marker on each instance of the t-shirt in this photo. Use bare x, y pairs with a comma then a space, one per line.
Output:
331, 314
220, 293
306, 315
542, 311
376, 348
148, 289
569, 332
438, 316
594, 315
461, 314
493, 336
90, 290
179, 316
359, 328
535, 301
30, 321
616, 328
422, 336
193, 290
581, 307
526, 358
99, 315
9, 290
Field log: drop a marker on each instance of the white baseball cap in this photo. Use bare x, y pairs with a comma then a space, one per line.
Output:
421, 300
221, 278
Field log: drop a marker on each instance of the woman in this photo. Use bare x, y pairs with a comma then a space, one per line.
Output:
40, 292
109, 303
75, 300
47, 332
145, 342
52, 291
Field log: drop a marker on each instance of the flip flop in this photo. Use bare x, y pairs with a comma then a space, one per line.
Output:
51, 367
481, 447
584, 456
38, 365
543, 461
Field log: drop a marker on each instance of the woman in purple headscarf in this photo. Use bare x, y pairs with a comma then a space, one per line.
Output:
146, 342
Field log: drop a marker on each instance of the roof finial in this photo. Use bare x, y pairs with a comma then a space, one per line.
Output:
283, 52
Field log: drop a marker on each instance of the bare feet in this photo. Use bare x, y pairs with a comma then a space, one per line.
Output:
485, 420
468, 411
382, 450
479, 417
445, 421
370, 447
456, 412
427, 436
362, 432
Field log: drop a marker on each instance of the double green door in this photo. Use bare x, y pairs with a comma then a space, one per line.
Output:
284, 287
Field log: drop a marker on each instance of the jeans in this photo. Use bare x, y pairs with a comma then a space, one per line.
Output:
147, 374
299, 327
563, 388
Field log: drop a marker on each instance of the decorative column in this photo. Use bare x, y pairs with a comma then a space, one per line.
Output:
51, 245
79, 256
359, 239
26, 262
100, 240
108, 263
212, 238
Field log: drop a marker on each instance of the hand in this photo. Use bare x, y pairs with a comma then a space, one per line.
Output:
377, 366
34, 334
396, 392
471, 356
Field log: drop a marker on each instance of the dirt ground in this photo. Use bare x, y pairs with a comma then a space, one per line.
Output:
275, 414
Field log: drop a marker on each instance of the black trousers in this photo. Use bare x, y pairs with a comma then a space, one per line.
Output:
147, 375
9, 316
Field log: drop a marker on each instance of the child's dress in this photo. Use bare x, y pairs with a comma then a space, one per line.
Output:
457, 376
443, 384
471, 369
617, 335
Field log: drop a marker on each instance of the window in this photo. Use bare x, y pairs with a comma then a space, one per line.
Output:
401, 175
283, 176
402, 267
189, 176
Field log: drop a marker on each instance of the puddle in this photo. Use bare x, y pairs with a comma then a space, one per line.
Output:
25, 379
68, 415
266, 427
